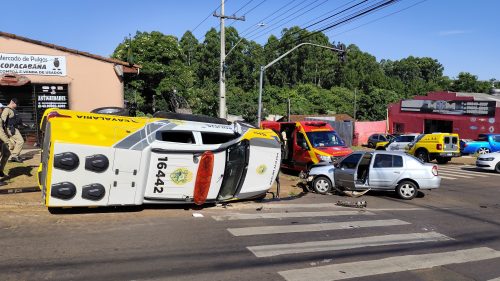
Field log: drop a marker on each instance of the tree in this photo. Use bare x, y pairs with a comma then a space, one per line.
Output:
163, 73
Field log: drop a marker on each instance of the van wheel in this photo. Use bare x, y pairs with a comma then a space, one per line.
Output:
422, 155
111, 110
407, 190
483, 150
443, 160
322, 185
190, 117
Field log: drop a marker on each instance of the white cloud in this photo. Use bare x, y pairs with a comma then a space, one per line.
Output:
454, 32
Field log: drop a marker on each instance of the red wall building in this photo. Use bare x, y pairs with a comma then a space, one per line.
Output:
467, 114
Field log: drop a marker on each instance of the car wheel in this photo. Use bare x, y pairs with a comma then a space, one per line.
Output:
483, 150
322, 185
407, 190
497, 167
422, 155
443, 160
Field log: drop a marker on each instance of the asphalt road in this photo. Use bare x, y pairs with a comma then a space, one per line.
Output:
448, 234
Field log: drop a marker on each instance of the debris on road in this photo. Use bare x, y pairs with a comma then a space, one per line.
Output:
358, 204
356, 193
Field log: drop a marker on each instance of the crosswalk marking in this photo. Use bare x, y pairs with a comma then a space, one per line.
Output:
448, 178
343, 244
288, 215
453, 172
389, 265
461, 172
259, 230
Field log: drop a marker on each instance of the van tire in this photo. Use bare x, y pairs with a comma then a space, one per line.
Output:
423, 155
407, 190
322, 185
190, 117
111, 110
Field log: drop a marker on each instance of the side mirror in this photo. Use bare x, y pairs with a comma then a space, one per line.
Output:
304, 145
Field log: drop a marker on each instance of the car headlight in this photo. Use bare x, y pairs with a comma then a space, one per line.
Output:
325, 158
487, 159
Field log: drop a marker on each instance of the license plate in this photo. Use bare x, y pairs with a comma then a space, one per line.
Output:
449, 154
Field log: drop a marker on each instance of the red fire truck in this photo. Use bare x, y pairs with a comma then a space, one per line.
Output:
307, 142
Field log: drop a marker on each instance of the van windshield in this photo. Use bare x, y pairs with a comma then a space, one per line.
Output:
325, 139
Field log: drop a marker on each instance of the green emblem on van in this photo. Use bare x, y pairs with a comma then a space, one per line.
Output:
261, 169
181, 176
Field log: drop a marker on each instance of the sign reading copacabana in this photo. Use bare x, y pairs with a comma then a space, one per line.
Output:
33, 64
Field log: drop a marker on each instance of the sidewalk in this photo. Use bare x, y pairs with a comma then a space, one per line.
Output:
22, 176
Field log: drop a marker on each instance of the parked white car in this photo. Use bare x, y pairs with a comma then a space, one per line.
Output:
489, 161
376, 170
398, 143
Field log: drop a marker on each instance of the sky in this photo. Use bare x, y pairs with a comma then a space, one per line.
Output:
462, 35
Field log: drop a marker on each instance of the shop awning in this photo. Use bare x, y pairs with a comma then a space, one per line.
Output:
12, 79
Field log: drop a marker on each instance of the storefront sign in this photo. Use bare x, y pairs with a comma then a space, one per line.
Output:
453, 107
33, 64
50, 96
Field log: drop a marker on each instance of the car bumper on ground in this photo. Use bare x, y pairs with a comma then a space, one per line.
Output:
485, 165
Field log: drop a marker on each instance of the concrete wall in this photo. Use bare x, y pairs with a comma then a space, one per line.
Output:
91, 83
363, 130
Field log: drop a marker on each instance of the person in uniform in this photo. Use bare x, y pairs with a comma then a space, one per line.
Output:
4, 148
11, 120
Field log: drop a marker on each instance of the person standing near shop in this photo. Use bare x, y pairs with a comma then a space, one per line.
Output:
11, 120
4, 148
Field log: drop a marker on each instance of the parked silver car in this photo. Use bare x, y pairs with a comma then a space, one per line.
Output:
376, 170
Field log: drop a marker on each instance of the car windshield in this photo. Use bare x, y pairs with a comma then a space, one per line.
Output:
325, 139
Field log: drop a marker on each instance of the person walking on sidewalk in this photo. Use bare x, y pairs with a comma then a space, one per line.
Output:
4, 148
11, 122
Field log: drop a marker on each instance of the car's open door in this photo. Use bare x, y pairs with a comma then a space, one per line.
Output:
345, 171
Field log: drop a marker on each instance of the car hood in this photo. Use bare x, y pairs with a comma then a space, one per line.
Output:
335, 150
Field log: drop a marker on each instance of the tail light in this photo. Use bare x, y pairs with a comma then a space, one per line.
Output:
439, 146
435, 170
54, 114
203, 178
464, 144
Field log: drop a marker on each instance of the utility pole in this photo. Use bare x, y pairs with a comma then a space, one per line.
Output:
222, 74
354, 105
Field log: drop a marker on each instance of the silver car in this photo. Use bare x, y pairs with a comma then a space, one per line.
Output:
376, 170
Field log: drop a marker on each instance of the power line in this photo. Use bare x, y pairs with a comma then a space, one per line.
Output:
320, 21
247, 12
329, 12
268, 24
270, 15
270, 31
351, 18
362, 9
206, 17
380, 18
243, 6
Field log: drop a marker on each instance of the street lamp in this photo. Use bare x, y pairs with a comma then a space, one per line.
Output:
340, 48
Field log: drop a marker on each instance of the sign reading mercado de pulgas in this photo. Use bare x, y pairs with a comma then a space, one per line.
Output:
33, 64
